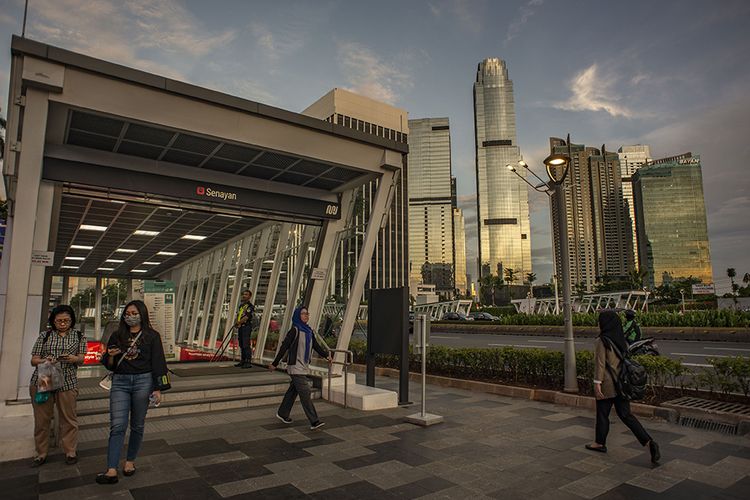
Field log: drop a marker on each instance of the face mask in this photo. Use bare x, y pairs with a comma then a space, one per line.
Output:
133, 320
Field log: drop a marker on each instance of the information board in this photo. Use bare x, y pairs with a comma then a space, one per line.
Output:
159, 297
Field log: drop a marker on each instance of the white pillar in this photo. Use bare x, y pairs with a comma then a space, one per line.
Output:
325, 257
299, 267
98, 310
21, 309
221, 296
380, 207
273, 283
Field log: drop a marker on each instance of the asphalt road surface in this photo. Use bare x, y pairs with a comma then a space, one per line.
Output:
692, 353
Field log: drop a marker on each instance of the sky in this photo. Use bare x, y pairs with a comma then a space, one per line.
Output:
672, 74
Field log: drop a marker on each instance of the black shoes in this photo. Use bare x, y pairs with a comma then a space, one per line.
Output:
285, 420
38, 461
247, 365
239, 365
600, 449
71, 460
105, 479
653, 447
317, 425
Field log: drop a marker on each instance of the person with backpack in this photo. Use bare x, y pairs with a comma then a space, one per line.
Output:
297, 346
63, 345
617, 381
631, 329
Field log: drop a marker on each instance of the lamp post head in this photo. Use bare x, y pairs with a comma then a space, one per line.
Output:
510, 167
557, 160
523, 164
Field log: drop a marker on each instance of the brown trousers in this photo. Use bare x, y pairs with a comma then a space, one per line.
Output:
66, 408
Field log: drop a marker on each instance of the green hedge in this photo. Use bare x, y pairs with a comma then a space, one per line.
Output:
542, 368
708, 318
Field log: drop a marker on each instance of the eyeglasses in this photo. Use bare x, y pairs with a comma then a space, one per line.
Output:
62, 321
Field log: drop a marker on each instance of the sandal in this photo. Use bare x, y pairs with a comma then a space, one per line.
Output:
38, 461
128, 473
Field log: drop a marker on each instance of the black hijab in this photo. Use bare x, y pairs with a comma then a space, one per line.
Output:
610, 327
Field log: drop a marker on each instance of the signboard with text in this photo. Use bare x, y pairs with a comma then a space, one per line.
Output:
42, 258
701, 289
159, 297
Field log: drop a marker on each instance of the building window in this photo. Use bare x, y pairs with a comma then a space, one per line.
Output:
523, 236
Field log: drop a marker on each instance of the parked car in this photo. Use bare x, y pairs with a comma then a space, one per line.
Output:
456, 316
482, 316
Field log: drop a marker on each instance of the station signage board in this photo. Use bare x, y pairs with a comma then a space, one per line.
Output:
159, 297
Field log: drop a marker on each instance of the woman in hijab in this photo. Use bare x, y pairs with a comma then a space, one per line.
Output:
607, 363
297, 346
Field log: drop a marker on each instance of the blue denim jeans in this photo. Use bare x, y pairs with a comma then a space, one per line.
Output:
128, 398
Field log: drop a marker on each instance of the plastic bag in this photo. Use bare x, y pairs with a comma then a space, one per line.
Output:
49, 377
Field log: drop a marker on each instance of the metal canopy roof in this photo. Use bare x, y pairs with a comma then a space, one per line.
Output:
157, 143
121, 220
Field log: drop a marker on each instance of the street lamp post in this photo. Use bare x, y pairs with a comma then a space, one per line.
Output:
554, 190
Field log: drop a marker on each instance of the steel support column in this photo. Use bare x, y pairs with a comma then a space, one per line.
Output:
299, 268
378, 217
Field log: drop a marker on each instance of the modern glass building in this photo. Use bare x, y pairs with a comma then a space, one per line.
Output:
430, 207
671, 222
502, 198
631, 159
459, 251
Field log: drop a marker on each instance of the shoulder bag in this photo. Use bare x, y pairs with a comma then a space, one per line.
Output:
106, 381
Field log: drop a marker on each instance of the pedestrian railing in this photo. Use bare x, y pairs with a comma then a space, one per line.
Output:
348, 361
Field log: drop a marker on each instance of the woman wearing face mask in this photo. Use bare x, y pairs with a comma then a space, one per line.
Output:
136, 355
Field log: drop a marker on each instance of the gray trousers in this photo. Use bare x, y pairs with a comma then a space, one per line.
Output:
299, 385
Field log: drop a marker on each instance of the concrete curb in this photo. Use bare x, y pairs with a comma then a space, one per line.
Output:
546, 395
660, 333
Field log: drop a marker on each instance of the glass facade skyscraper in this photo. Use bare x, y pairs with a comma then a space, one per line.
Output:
431, 257
631, 159
502, 198
671, 222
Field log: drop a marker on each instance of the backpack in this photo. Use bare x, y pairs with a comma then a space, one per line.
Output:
631, 382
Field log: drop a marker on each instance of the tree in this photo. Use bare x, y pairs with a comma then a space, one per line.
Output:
637, 277
489, 283
530, 279
511, 276
731, 273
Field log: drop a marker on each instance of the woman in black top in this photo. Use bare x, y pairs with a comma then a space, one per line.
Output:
136, 356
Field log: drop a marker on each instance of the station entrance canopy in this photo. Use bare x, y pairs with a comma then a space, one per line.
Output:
101, 158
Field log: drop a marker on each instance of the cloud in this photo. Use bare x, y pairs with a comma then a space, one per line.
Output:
135, 33
369, 75
468, 15
525, 12
592, 91
276, 47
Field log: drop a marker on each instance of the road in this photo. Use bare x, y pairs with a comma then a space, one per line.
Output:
692, 353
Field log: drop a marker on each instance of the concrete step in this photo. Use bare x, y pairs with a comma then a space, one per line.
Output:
100, 416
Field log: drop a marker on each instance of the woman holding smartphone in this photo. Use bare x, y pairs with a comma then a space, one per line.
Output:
60, 343
136, 355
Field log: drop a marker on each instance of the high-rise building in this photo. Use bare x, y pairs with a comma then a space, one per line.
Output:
599, 239
389, 266
631, 159
670, 215
502, 198
459, 251
431, 257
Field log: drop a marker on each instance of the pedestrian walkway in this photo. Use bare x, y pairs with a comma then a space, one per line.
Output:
489, 447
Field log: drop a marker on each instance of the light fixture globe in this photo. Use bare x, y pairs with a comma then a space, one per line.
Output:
557, 160
510, 167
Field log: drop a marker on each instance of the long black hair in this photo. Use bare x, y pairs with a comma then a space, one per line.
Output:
61, 309
123, 331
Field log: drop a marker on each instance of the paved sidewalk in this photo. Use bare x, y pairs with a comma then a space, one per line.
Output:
489, 446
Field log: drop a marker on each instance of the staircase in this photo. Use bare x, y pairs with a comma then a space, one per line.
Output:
196, 388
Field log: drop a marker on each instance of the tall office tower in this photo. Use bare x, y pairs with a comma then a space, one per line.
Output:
502, 198
670, 215
390, 259
459, 251
599, 240
631, 159
430, 205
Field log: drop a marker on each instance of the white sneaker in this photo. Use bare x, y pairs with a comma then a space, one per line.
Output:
285, 420
317, 425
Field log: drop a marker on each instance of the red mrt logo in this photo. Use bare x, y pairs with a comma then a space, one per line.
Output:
200, 190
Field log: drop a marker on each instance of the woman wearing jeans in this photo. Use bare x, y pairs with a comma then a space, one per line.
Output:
136, 356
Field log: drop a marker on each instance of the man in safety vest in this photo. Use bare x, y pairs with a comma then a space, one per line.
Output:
631, 329
244, 325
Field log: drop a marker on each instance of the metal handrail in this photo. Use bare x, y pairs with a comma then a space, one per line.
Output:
348, 361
